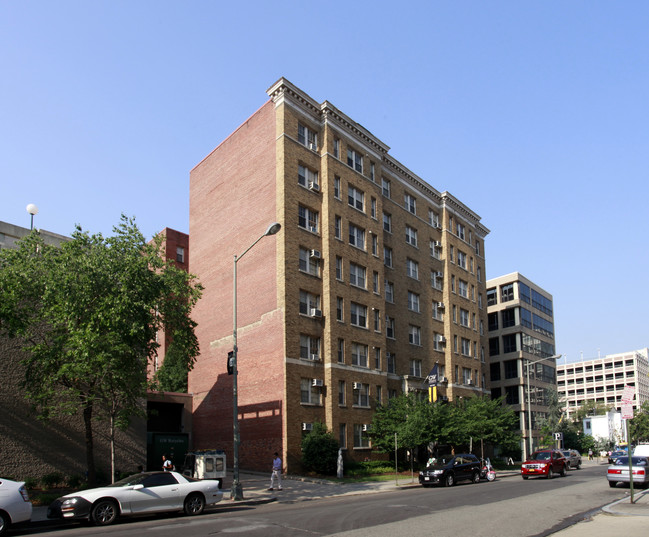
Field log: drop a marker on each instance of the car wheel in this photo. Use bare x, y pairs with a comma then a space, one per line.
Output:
104, 512
578, 466
525, 477
194, 504
550, 474
4, 522
612, 484
563, 472
568, 467
449, 480
476, 477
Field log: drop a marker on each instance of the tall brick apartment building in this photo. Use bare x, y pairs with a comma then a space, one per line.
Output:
374, 278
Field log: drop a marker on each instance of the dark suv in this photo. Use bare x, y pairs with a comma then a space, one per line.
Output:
449, 469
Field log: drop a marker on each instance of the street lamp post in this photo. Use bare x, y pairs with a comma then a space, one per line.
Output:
529, 399
32, 209
237, 491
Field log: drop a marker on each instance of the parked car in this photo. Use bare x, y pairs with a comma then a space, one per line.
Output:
147, 492
546, 463
616, 455
449, 469
618, 472
573, 458
15, 506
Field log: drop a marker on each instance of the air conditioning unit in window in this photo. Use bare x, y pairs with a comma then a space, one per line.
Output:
469, 382
314, 186
441, 339
316, 312
313, 147
440, 305
357, 385
315, 254
307, 426
365, 427
314, 357
443, 380
317, 383
437, 244
313, 229
439, 274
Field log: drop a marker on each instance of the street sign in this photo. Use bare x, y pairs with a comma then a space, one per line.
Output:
627, 411
628, 394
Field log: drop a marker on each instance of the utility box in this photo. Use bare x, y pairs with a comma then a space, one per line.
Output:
205, 464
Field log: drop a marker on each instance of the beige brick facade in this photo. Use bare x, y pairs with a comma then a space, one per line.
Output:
320, 337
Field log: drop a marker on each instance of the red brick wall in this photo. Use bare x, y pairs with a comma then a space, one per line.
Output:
232, 202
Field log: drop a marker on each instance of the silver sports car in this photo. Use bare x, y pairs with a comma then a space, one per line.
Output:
148, 492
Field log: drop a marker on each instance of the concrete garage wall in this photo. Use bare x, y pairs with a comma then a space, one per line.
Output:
32, 448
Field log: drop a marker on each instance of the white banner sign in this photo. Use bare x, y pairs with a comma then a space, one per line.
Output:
627, 411
628, 394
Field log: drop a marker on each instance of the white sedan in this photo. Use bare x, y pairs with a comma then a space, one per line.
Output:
148, 492
15, 506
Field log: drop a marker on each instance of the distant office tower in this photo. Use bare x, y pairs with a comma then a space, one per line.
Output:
521, 349
374, 278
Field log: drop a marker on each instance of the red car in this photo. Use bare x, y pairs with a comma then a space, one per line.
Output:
545, 463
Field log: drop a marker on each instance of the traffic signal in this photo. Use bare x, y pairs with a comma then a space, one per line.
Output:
230, 362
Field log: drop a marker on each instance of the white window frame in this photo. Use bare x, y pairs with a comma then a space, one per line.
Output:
411, 236
358, 315
308, 301
414, 335
309, 346
357, 275
308, 219
389, 292
357, 236
362, 396
387, 222
415, 368
463, 288
354, 160
413, 301
461, 259
308, 264
387, 256
306, 176
355, 198
309, 394
307, 137
386, 187
412, 269
410, 203
360, 355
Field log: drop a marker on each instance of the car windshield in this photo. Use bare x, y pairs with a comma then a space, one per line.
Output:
541, 456
635, 461
566, 453
134, 479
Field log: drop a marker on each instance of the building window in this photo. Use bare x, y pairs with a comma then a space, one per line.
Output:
309, 347
341, 351
389, 292
410, 203
389, 327
452, 283
466, 347
309, 394
477, 247
339, 309
358, 314
460, 230
451, 254
466, 376
180, 254
463, 288
379, 395
386, 187
433, 218
464, 317
511, 369
413, 301
509, 317
336, 187
309, 263
435, 249
338, 223
342, 435
307, 177
415, 368
337, 147
341, 392
461, 259
357, 236
454, 317
361, 440
479, 274
492, 320
411, 236
438, 310
359, 355
375, 282
339, 268
387, 222
509, 343
361, 394
507, 292
492, 297
372, 170
377, 320
356, 198
308, 219
387, 256
391, 362
494, 346
377, 358
308, 302
436, 279
373, 208
414, 335
355, 160
307, 137
438, 342
412, 268
357, 275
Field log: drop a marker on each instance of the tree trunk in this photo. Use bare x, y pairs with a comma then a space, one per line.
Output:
90, 455
112, 449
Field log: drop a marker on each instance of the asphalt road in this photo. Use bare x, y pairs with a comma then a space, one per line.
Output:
510, 507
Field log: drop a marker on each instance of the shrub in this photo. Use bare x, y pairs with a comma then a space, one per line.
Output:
31, 483
320, 451
74, 481
51, 480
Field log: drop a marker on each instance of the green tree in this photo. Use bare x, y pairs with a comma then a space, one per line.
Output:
172, 375
320, 450
551, 423
87, 313
639, 425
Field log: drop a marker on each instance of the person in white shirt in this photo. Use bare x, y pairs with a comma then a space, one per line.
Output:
276, 473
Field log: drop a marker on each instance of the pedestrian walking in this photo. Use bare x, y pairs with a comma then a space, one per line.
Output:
590, 454
167, 465
276, 473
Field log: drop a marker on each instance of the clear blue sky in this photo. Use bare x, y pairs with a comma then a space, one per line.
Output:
534, 114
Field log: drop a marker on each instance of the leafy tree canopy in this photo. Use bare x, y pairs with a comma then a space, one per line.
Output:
87, 313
